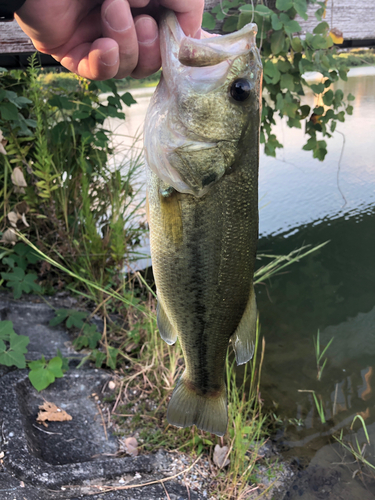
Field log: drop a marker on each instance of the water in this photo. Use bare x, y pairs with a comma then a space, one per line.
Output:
304, 201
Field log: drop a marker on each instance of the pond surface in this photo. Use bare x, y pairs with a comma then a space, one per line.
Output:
304, 201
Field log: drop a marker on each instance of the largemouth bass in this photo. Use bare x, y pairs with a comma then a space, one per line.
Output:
202, 154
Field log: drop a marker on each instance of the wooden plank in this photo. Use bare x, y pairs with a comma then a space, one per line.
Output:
356, 19
13, 40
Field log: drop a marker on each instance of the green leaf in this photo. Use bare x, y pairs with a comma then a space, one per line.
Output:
61, 102
231, 23
304, 111
128, 99
43, 373
276, 23
290, 109
343, 73
41, 378
243, 19
328, 97
262, 10
292, 27
349, 109
8, 111
321, 29
18, 342
339, 96
61, 314
277, 42
296, 44
286, 81
112, 357
14, 356
350, 97
65, 361
72, 317
319, 110
21, 282
271, 73
284, 4
317, 88
318, 42
301, 8
55, 366
6, 329
99, 358
208, 22
283, 65
310, 145
76, 319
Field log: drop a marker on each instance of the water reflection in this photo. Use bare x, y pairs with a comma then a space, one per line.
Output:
305, 201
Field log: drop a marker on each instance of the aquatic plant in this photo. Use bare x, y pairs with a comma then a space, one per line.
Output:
319, 355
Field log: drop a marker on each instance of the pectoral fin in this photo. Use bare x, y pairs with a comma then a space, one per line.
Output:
243, 339
166, 330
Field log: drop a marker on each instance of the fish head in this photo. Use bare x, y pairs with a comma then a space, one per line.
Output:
206, 105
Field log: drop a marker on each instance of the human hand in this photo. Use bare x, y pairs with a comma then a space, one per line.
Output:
104, 39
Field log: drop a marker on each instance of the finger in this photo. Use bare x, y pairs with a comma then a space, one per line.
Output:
97, 61
52, 24
118, 24
189, 14
149, 58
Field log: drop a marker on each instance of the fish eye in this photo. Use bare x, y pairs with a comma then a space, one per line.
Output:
240, 89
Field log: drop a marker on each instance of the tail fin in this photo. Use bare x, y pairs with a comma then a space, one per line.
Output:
208, 413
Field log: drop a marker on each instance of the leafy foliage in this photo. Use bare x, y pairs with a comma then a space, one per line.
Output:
286, 59
57, 169
72, 317
43, 373
21, 282
17, 278
12, 346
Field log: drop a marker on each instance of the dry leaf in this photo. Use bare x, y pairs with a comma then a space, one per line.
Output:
18, 180
13, 218
22, 207
9, 237
131, 446
219, 457
2, 143
52, 413
337, 36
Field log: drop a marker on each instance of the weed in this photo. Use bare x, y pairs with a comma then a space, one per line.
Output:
358, 451
319, 355
58, 184
318, 404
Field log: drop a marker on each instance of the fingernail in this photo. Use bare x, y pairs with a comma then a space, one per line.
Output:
118, 15
110, 58
146, 29
198, 34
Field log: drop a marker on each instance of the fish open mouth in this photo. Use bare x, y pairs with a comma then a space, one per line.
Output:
183, 155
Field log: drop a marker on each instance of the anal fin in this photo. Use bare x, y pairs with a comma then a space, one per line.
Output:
243, 339
166, 330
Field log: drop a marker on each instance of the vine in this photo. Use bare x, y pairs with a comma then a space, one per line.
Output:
287, 57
